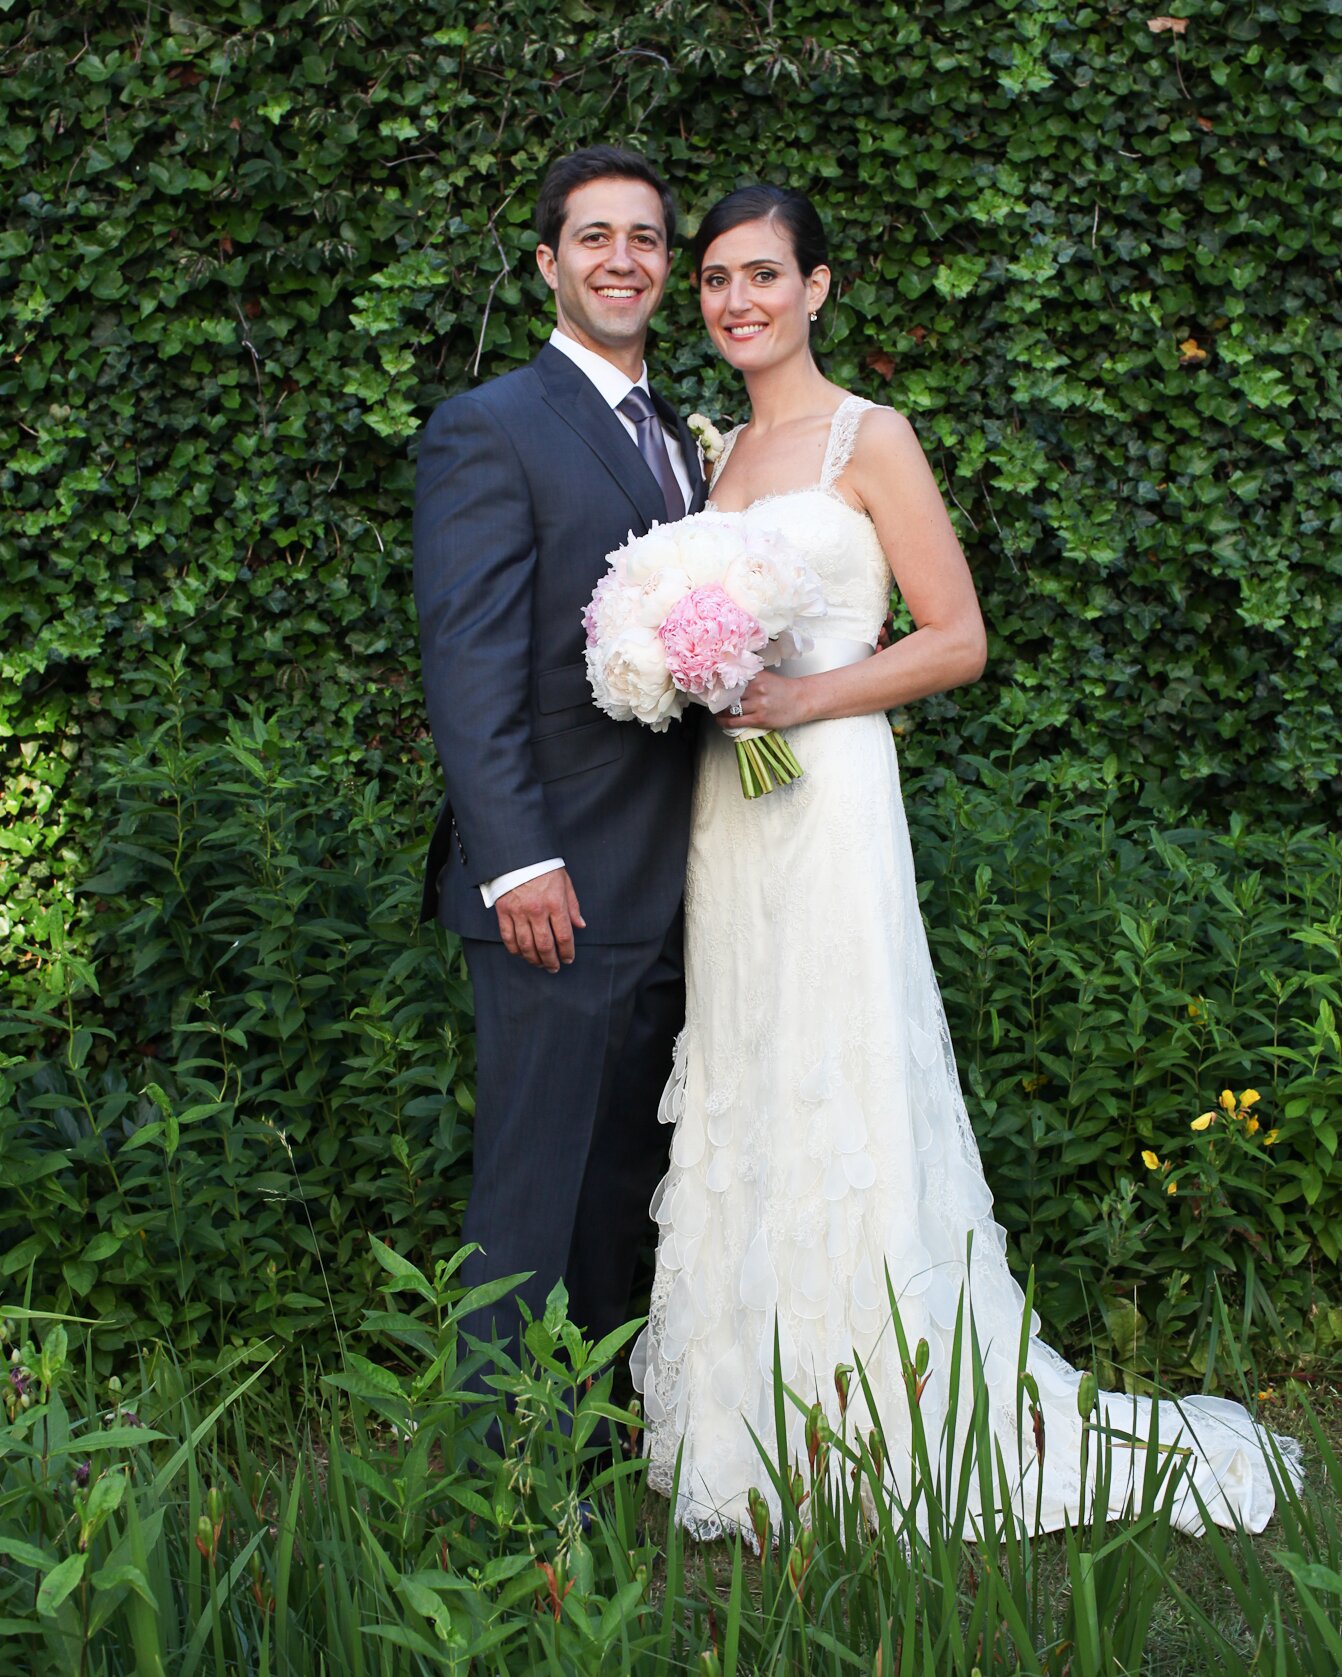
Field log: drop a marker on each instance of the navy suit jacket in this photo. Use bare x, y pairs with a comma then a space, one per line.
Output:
523, 487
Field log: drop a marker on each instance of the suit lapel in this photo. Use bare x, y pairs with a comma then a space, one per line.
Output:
573, 396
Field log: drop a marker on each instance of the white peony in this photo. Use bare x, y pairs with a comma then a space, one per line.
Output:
629, 679
601, 693
641, 556
706, 545
612, 607
753, 581
662, 590
771, 582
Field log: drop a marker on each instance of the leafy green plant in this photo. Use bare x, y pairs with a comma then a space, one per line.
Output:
158, 1539
247, 252
1100, 974
262, 1063
261, 1067
947, 1575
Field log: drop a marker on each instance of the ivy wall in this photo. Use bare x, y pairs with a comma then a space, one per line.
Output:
1092, 252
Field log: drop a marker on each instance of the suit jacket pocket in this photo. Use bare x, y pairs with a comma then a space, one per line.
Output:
573, 750
565, 688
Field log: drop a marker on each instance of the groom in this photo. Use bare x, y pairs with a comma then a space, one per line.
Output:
559, 852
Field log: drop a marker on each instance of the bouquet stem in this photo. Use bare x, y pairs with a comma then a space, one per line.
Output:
765, 761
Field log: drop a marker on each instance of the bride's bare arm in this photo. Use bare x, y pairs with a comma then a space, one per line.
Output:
890, 477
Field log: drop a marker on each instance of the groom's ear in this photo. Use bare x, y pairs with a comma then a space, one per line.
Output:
549, 267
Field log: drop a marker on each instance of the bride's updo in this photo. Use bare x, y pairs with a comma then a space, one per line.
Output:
793, 210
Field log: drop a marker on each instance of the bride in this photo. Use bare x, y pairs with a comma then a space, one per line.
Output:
821, 1141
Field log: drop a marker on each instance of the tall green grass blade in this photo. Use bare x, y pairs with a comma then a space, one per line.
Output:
284, 1557
209, 1625
144, 1622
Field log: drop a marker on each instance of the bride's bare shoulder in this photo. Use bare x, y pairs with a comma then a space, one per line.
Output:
888, 465
885, 437
886, 424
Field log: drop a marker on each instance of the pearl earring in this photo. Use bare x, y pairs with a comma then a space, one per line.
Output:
814, 315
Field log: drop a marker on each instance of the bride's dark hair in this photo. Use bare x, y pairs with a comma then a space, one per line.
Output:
784, 204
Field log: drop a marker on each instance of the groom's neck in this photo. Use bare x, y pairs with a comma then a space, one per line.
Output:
628, 358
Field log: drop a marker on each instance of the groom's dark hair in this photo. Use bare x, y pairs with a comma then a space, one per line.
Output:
594, 163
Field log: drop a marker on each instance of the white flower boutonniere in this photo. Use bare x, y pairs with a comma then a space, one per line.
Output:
707, 435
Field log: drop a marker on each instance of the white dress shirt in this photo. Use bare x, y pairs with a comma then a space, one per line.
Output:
612, 386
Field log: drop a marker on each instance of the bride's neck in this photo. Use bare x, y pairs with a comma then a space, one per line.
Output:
788, 391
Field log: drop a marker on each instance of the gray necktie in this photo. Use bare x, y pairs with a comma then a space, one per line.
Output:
652, 446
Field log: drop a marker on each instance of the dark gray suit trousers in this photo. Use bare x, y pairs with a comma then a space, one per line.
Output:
567, 1120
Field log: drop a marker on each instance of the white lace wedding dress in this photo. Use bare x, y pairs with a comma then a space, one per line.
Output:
821, 1138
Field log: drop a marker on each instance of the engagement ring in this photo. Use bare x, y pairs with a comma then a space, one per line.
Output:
734, 710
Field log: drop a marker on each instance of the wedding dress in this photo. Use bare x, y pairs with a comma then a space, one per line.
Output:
820, 1136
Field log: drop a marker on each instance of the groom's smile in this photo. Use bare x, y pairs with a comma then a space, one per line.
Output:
609, 269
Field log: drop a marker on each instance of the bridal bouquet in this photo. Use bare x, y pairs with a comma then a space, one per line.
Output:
691, 613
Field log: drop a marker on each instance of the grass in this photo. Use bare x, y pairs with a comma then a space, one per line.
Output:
362, 1523
1175, 1645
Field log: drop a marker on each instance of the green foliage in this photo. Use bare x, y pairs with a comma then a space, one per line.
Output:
1104, 980
248, 247
262, 1064
150, 1528
260, 1068
257, 1536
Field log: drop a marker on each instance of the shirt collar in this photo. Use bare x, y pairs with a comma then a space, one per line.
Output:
611, 384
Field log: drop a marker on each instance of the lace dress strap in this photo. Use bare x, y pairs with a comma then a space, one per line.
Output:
842, 438
728, 444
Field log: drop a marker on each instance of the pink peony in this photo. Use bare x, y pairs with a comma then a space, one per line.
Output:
712, 646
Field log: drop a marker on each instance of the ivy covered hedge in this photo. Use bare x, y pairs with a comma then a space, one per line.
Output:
248, 246
1092, 251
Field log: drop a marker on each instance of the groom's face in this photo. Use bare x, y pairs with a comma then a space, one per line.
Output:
609, 270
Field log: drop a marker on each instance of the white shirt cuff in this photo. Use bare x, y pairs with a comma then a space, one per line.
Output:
493, 889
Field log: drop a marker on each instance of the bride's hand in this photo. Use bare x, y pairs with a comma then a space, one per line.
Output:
771, 701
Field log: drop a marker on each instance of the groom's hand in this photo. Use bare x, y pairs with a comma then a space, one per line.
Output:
536, 920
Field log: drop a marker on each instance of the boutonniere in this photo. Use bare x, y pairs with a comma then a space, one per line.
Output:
707, 435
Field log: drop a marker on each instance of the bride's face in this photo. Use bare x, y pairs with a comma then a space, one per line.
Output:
756, 301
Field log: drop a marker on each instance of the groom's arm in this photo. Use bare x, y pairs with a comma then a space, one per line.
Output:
475, 559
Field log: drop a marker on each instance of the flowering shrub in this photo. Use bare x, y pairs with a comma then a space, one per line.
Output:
1099, 973
1219, 1190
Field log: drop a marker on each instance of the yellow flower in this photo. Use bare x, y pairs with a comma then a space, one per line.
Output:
1203, 1122
1227, 1101
1270, 1138
1250, 1097
1250, 1126
1267, 1394
1171, 1186
1194, 1010
1150, 1160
